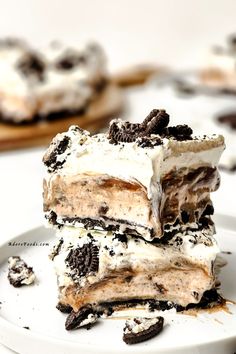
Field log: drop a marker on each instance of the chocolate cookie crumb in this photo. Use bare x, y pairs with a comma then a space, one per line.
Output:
140, 329
19, 272
103, 208
31, 65
64, 308
85, 317
180, 132
58, 147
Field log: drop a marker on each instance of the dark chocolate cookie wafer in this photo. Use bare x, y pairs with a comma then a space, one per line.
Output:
85, 317
140, 329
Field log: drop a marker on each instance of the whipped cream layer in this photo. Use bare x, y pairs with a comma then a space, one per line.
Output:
92, 161
139, 265
63, 87
95, 155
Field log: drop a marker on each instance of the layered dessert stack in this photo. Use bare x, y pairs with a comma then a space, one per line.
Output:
132, 210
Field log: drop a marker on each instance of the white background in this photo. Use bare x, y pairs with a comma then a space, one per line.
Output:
170, 31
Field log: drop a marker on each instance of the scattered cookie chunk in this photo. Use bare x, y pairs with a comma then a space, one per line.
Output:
85, 317
19, 272
140, 329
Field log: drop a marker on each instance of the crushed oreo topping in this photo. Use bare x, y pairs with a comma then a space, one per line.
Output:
149, 142
180, 132
140, 329
83, 260
85, 317
31, 65
57, 148
156, 123
19, 273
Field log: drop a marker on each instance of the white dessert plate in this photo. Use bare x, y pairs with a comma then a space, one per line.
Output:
34, 307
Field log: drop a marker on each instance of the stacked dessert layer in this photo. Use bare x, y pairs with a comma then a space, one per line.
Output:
219, 70
132, 210
53, 82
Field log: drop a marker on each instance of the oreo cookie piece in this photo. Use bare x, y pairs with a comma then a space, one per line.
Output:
85, 317
64, 308
123, 132
31, 65
140, 329
83, 260
179, 132
19, 272
155, 122
149, 133
58, 147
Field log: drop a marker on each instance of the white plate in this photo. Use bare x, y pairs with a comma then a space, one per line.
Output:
34, 306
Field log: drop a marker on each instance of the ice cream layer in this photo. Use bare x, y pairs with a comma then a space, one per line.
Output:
56, 79
140, 187
94, 267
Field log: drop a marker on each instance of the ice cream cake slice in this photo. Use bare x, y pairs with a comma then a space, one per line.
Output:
142, 179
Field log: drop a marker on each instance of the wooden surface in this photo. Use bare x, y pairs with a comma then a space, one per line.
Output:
137, 75
108, 105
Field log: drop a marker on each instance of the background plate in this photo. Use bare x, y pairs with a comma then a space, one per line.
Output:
34, 306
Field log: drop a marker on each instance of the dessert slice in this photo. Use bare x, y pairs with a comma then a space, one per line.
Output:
100, 268
219, 70
142, 179
50, 83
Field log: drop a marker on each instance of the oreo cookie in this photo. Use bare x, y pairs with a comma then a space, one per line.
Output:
58, 147
140, 329
83, 260
19, 272
123, 132
155, 122
85, 317
31, 65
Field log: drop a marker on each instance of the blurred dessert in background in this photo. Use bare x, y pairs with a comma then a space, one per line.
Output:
219, 69
43, 84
